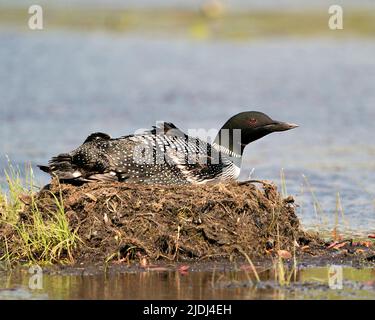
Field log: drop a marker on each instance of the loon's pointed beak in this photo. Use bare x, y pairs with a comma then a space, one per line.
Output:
281, 126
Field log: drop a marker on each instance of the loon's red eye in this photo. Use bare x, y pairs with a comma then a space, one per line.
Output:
252, 121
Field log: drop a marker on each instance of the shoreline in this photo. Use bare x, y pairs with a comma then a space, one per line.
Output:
198, 24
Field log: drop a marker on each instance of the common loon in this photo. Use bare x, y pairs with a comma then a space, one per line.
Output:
164, 155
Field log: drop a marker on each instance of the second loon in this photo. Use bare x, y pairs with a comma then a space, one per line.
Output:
164, 155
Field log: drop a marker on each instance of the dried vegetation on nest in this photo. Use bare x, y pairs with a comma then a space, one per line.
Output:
119, 221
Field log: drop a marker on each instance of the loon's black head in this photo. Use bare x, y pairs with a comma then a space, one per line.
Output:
246, 127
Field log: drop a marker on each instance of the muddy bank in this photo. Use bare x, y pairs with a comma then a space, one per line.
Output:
121, 222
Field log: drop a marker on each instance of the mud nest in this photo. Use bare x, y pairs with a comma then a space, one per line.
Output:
122, 221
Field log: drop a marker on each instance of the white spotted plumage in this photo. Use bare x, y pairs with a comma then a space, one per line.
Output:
152, 157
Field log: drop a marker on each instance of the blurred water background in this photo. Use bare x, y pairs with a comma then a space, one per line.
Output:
60, 84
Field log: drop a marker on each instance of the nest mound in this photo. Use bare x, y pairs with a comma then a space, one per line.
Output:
119, 220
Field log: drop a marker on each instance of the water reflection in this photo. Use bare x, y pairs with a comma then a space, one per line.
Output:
310, 283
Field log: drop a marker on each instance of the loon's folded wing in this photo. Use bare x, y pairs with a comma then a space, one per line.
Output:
191, 156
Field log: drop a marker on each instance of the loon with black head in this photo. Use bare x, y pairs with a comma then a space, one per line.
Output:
164, 155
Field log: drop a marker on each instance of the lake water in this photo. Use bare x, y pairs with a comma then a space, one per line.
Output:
57, 87
309, 283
